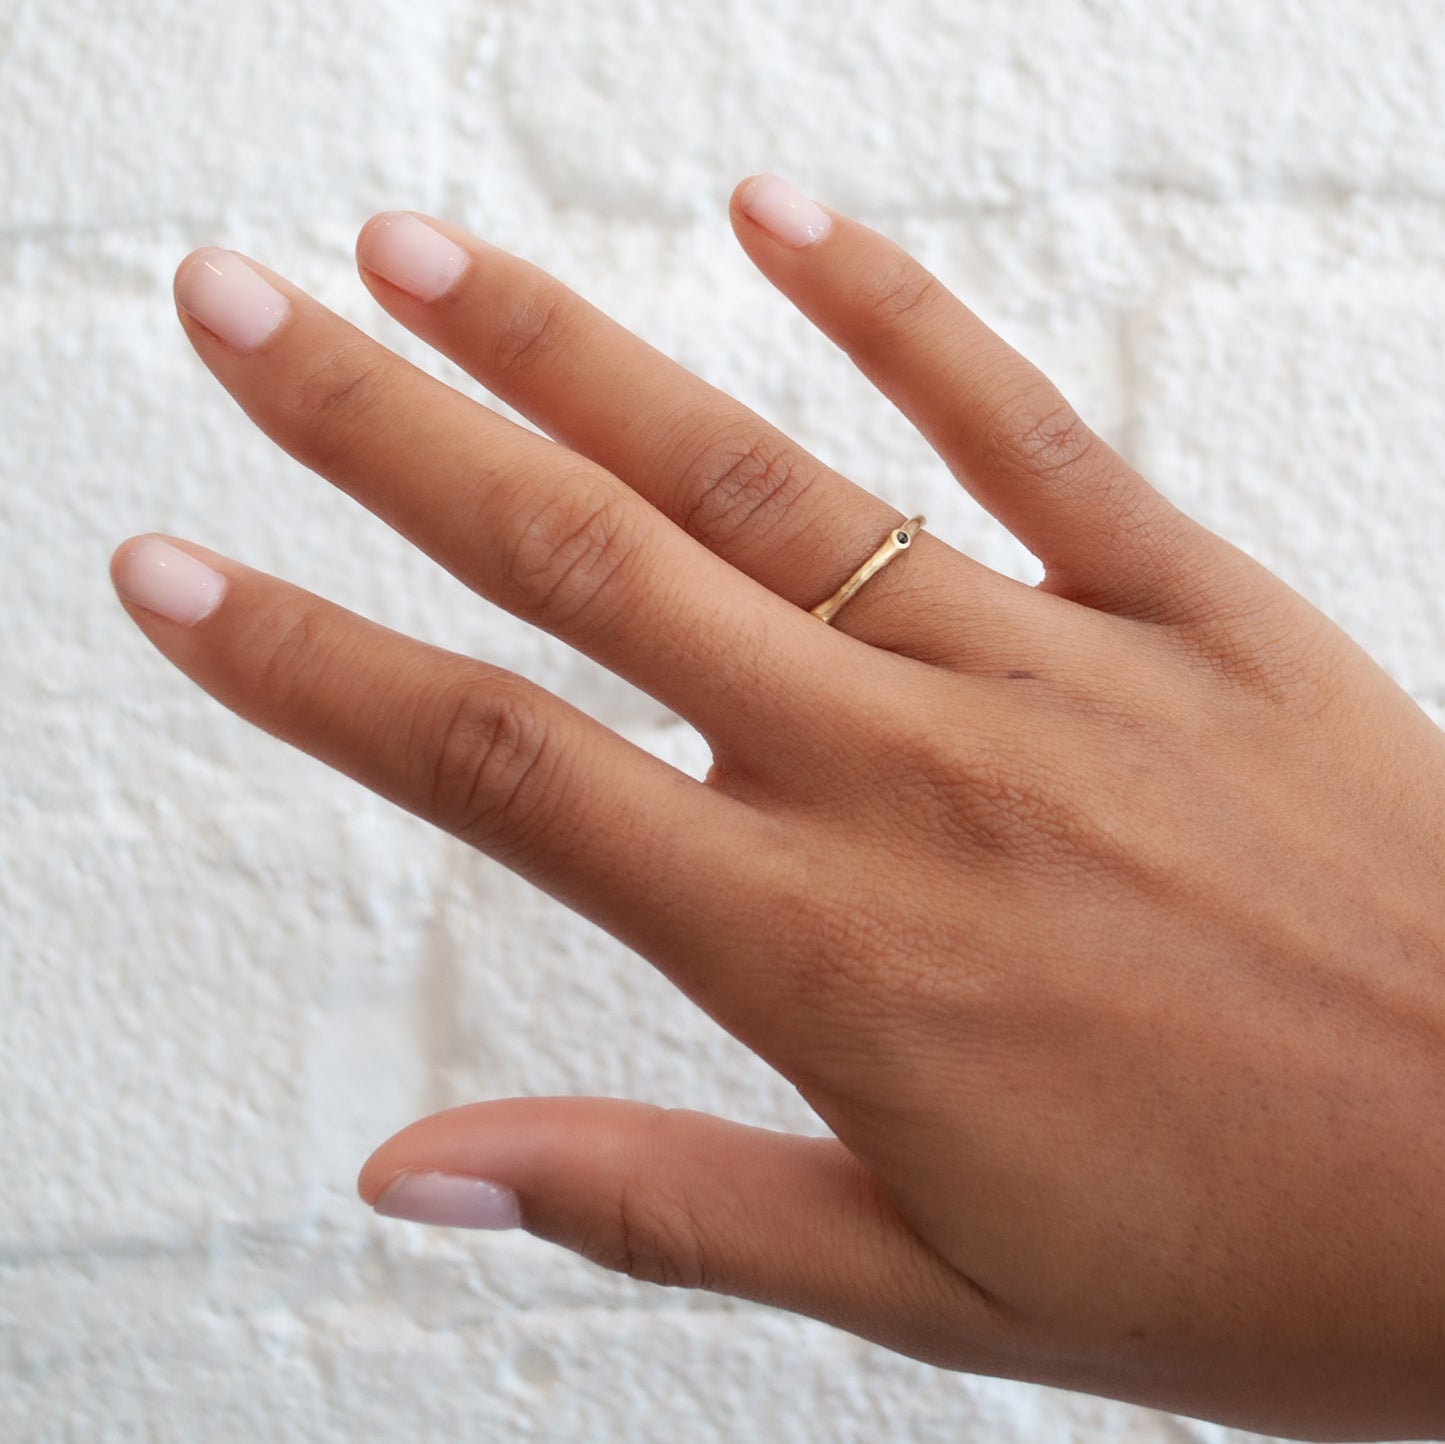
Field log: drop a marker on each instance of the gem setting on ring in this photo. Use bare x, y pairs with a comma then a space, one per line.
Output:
898, 540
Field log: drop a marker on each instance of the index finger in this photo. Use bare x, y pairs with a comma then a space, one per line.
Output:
647, 852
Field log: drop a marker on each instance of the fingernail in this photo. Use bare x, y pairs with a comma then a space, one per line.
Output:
161, 578
444, 1198
226, 296
410, 254
786, 214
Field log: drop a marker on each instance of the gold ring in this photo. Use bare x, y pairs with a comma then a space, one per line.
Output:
898, 540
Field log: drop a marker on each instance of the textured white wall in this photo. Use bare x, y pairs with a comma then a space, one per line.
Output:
228, 973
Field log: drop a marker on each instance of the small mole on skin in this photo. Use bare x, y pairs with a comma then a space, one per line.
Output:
1029, 675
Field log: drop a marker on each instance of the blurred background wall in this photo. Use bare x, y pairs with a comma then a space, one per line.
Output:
228, 973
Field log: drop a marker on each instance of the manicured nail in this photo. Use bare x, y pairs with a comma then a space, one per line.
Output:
786, 214
410, 254
226, 296
162, 578
446, 1199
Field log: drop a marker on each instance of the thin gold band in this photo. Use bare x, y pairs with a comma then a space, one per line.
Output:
898, 540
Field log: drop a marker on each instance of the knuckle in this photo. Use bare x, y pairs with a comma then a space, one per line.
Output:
1044, 436
653, 1234
491, 758
1270, 644
568, 553
342, 395
1018, 814
902, 291
661, 1241
741, 483
537, 325
291, 639
997, 801
850, 937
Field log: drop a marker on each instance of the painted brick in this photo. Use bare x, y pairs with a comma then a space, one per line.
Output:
227, 972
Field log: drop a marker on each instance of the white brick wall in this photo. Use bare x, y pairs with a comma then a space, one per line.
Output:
228, 973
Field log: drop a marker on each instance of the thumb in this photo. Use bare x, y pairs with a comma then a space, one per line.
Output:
675, 1197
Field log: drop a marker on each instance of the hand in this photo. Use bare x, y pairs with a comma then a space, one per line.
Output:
1101, 921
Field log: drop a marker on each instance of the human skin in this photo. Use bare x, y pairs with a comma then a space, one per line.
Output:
1100, 920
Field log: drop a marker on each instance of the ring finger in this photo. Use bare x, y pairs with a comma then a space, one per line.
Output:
748, 492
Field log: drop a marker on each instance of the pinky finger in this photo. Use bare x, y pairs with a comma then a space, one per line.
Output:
1106, 537
481, 752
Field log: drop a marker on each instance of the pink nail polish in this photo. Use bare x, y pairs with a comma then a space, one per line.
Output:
163, 579
785, 213
410, 254
449, 1200
226, 296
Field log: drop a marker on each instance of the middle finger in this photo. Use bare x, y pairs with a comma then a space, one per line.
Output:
547, 534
